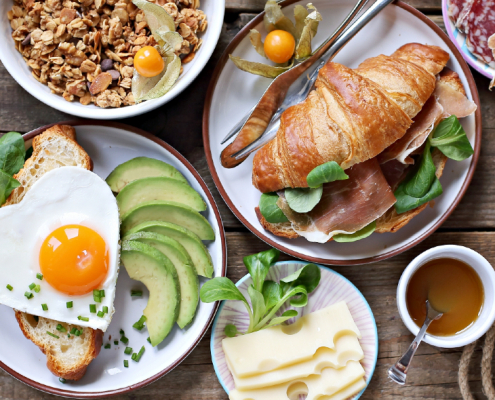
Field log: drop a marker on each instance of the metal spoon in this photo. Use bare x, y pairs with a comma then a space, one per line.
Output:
398, 371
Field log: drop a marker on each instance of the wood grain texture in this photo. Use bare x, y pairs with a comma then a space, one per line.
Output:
434, 371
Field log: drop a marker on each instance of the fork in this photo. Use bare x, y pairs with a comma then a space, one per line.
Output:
292, 87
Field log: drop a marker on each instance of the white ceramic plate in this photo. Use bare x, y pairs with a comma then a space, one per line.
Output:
459, 40
234, 92
109, 146
13, 61
333, 288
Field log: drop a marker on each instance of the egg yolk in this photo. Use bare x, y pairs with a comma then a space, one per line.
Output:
279, 46
74, 260
148, 62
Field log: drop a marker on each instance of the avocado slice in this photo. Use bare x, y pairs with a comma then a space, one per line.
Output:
194, 246
149, 266
158, 188
168, 211
188, 277
140, 167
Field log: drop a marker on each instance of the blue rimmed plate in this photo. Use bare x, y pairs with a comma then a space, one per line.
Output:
333, 288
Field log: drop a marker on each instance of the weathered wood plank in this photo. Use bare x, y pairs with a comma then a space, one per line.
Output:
257, 6
434, 371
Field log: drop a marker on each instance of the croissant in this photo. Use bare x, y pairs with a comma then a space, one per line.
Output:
351, 116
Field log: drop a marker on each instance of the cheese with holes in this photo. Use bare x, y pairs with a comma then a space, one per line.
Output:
330, 382
347, 348
282, 345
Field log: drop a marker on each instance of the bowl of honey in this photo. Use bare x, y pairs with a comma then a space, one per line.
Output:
457, 281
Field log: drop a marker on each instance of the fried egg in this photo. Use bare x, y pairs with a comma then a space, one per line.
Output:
59, 249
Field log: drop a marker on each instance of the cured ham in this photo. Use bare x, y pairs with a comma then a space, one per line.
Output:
346, 206
481, 22
394, 172
416, 135
453, 101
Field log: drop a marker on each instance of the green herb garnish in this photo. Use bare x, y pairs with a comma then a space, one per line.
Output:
28, 295
32, 286
270, 210
44, 307
128, 350
136, 293
81, 318
107, 346
10, 288
325, 173
39, 276
303, 200
37, 288
267, 297
126, 364
124, 340
92, 308
60, 328
140, 324
69, 304
53, 335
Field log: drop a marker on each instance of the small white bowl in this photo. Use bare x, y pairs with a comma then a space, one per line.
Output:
14, 63
487, 275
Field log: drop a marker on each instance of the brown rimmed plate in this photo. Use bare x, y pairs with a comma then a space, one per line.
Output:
232, 93
110, 144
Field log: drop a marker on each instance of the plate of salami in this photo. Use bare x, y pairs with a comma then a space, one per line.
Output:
348, 136
471, 26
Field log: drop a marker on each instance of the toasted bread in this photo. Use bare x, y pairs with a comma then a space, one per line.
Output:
67, 358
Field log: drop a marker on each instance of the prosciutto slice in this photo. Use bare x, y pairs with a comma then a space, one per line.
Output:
416, 135
346, 206
453, 101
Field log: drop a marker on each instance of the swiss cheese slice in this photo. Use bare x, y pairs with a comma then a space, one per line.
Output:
330, 382
347, 348
283, 345
347, 392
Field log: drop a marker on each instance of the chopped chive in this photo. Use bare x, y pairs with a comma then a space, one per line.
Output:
105, 309
136, 292
92, 308
115, 342
39, 276
149, 340
126, 363
44, 307
100, 314
80, 318
137, 357
124, 340
32, 286
78, 332
140, 324
68, 335
37, 288
10, 287
107, 346
28, 295
73, 331
69, 304
52, 335
102, 293
128, 350
122, 332
61, 328
96, 296
62, 380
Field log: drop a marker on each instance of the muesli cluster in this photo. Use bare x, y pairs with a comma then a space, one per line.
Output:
84, 50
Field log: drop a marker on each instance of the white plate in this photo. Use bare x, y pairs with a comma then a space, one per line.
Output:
333, 288
109, 146
234, 92
459, 40
13, 61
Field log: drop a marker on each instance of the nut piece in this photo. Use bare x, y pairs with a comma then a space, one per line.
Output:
67, 15
101, 82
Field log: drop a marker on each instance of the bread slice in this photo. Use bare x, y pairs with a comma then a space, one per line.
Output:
66, 357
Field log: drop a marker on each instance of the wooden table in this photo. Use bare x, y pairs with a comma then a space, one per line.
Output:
434, 372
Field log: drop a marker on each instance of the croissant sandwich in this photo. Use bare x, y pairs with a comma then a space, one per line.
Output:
365, 151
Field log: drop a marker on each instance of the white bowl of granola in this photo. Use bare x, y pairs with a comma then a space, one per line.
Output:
54, 49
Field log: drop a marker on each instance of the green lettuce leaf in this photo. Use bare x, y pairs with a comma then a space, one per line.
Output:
353, 237
303, 200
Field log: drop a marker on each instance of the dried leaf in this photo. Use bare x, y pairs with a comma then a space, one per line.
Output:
170, 41
156, 17
152, 88
300, 14
275, 19
268, 71
303, 48
257, 43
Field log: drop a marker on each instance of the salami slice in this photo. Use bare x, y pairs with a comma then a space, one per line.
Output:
459, 11
481, 26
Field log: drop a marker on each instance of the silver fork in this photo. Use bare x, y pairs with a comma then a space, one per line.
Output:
299, 88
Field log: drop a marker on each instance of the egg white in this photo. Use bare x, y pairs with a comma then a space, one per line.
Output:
64, 196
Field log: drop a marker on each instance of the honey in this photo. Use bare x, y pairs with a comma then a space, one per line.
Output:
452, 287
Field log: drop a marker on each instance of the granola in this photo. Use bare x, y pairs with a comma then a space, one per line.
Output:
84, 49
